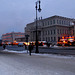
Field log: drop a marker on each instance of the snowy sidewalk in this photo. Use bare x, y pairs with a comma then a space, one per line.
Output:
45, 55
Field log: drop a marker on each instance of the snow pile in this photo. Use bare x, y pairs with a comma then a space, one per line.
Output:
23, 51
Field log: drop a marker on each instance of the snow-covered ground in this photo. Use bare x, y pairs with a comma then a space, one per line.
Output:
12, 51
47, 55
37, 64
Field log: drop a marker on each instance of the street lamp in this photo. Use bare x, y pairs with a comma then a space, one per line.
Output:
26, 36
39, 9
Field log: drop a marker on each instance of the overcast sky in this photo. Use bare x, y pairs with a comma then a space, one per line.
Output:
15, 14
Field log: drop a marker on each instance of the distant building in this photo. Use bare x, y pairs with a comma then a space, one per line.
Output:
51, 29
21, 39
11, 37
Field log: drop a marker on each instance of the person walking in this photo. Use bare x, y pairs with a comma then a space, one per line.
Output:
4, 46
30, 49
25, 46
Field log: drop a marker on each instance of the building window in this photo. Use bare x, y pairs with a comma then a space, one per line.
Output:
54, 31
57, 22
48, 22
53, 21
51, 32
54, 38
48, 32
48, 38
51, 38
58, 31
62, 22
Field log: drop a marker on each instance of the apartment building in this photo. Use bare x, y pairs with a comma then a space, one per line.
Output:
51, 29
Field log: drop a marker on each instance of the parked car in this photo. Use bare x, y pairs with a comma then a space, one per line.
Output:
20, 45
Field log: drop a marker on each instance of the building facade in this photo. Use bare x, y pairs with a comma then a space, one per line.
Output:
50, 29
21, 39
11, 37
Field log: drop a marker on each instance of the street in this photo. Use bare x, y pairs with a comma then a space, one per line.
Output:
50, 50
23, 64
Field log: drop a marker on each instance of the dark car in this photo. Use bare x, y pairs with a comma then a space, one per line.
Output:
20, 45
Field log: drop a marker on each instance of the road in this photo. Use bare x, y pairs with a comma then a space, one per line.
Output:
59, 50
23, 64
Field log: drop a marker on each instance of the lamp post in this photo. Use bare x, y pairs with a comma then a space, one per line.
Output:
39, 9
26, 36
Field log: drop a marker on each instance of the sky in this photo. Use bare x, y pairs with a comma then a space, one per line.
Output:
15, 14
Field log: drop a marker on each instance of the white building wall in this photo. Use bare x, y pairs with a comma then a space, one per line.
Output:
50, 28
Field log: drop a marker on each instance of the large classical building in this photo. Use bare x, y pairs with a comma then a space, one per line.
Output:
11, 37
51, 29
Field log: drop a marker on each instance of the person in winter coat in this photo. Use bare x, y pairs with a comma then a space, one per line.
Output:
4, 46
30, 49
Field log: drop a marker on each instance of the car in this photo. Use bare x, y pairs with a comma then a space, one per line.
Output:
20, 45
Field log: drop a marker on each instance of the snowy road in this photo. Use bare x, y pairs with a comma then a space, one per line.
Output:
23, 64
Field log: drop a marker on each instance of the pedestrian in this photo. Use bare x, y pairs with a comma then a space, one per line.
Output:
4, 46
25, 46
30, 49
